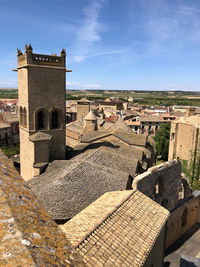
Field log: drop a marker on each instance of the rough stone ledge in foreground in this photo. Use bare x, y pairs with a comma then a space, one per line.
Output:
28, 235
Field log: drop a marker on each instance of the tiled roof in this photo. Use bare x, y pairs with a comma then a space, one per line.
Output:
67, 187
85, 222
75, 126
191, 120
28, 235
90, 116
120, 124
130, 137
151, 119
11, 118
108, 158
92, 136
127, 136
121, 233
83, 100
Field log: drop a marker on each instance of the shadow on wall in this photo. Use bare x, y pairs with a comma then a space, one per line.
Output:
180, 241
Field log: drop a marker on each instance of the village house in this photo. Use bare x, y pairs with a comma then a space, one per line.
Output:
184, 138
9, 128
148, 125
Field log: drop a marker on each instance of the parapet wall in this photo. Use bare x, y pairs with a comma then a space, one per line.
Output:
29, 58
161, 183
29, 236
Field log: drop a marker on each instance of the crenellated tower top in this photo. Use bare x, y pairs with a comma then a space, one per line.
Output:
31, 59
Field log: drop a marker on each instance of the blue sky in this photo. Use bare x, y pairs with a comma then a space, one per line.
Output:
110, 44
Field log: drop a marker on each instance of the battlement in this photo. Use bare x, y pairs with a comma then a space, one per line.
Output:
31, 59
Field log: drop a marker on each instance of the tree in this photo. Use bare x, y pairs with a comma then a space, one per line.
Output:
192, 169
162, 141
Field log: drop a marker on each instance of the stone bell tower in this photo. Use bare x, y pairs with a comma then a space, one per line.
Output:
42, 89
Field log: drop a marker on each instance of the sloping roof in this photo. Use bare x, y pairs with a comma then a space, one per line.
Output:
122, 232
9, 117
90, 116
85, 222
120, 124
83, 100
92, 136
130, 137
66, 190
108, 158
152, 119
75, 126
113, 144
40, 136
191, 120
27, 231
128, 151
127, 136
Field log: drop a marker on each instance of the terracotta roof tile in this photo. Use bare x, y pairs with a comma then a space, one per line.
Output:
123, 231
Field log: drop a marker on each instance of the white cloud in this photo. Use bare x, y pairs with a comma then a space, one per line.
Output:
80, 85
164, 25
101, 53
88, 33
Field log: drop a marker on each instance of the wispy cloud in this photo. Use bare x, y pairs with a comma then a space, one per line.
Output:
80, 85
164, 25
88, 33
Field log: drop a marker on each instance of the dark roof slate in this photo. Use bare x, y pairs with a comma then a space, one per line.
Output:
67, 190
108, 158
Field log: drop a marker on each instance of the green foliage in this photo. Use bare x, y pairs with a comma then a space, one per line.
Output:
192, 170
10, 94
10, 151
162, 141
185, 168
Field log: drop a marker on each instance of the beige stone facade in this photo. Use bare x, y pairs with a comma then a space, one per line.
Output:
41, 85
182, 219
83, 107
184, 138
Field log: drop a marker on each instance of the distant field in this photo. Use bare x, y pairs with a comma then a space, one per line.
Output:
166, 98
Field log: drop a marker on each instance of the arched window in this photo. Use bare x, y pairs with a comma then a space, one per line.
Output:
21, 116
184, 217
56, 119
24, 118
41, 119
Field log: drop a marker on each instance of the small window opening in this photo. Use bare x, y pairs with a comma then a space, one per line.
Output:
184, 217
55, 120
25, 118
40, 120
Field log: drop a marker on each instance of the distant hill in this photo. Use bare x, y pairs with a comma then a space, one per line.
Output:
8, 88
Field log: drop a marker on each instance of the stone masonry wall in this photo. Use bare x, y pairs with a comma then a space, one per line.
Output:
161, 183
182, 219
